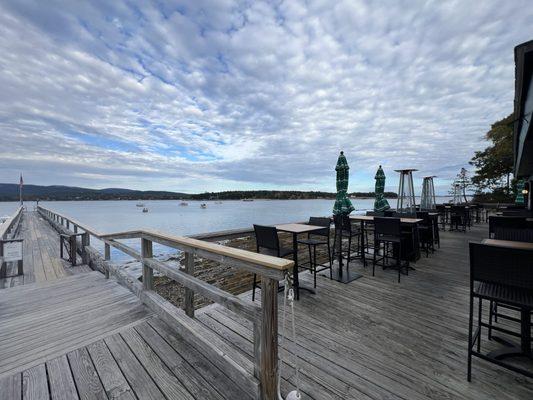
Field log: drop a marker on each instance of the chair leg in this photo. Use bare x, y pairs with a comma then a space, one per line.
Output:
314, 266
254, 286
470, 327
376, 249
491, 311
399, 261
310, 259
349, 249
330, 259
479, 324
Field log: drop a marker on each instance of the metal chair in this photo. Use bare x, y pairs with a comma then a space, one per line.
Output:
458, 217
502, 275
318, 238
348, 231
511, 228
426, 231
267, 242
387, 230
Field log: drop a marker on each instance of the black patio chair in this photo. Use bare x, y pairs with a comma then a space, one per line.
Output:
511, 228
315, 239
502, 275
443, 216
426, 232
369, 230
388, 231
349, 231
267, 242
458, 218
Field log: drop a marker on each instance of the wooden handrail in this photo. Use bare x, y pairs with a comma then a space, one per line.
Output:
10, 222
191, 244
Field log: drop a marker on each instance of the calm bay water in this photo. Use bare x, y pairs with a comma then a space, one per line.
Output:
169, 216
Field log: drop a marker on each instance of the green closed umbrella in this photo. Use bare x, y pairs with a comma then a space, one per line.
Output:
519, 195
380, 203
343, 205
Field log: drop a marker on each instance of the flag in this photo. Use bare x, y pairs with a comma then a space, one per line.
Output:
21, 181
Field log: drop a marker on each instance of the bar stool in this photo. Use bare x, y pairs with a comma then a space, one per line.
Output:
267, 242
502, 275
387, 230
348, 231
318, 238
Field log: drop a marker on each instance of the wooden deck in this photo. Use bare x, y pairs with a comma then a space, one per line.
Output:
71, 334
377, 339
41, 254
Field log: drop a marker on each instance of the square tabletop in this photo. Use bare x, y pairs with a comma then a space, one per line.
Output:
371, 218
508, 243
298, 228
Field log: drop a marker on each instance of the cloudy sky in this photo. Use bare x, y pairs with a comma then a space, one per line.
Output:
221, 95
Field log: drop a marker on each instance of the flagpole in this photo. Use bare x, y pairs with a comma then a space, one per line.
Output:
20, 190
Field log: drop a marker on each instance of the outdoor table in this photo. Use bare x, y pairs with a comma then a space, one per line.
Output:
512, 349
411, 222
295, 230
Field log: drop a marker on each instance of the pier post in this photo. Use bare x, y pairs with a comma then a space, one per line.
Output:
107, 257
188, 303
268, 346
73, 251
148, 273
85, 241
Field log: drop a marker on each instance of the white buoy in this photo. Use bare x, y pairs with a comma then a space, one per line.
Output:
294, 395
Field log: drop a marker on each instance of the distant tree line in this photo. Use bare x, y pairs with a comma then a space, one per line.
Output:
277, 195
9, 192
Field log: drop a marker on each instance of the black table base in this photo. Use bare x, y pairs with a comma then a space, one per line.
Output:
339, 275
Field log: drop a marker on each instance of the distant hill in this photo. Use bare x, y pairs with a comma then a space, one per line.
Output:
10, 192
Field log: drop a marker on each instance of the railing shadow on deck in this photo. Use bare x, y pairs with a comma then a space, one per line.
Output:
263, 382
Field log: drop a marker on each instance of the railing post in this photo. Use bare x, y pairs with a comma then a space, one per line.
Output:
268, 346
85, 241
188, 301
107, 257
75, 228
73, 252
148, 273
68, 224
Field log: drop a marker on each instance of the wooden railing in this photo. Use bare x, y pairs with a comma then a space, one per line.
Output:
8, 232
262, 383
10, 225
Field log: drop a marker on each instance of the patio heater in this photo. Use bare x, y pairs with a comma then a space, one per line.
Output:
427, 200
406, 192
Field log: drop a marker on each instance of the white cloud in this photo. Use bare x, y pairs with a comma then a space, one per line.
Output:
209, 95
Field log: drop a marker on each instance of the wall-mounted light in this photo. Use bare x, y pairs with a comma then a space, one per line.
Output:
524, 191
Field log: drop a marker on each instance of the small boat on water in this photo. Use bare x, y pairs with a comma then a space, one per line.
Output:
145, 210
139, 205
247, 199
183, 204
218, 202
203, 205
